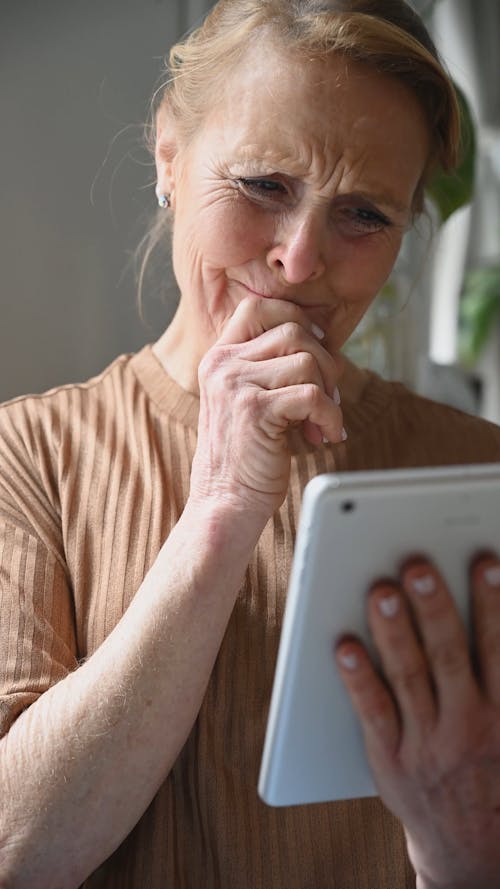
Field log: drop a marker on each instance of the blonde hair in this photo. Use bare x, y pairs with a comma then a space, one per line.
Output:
385, 34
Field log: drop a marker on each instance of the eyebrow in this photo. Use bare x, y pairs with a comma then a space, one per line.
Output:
265, 168
383, 198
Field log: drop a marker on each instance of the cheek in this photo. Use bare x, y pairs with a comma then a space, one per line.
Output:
235, 235
362, 266
225, 233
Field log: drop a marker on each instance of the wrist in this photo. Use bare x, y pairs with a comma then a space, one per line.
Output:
225, 525
210, 547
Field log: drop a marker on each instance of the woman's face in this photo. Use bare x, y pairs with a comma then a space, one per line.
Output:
299, 186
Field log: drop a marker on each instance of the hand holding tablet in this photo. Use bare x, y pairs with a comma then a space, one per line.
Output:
356, 528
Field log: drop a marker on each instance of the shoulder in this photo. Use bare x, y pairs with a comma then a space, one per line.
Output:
390, 426
443, 431
63, 400
37, 427
42, 435
412, 405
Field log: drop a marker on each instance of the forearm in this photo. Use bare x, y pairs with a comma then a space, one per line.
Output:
81, 765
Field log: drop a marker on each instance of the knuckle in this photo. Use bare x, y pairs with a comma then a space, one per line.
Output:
250, 401
248, 305
312, 399
488, 640
290, 331
378, 707
293, 313
408, 679
314, 394
306, 365
214, 362
450, 657
219, 377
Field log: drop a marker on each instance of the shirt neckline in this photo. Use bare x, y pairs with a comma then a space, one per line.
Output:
364, 394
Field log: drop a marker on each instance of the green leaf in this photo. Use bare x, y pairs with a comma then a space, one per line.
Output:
479, 311
450, 191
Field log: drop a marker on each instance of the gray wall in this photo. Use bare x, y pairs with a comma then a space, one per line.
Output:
76, 77
75, 80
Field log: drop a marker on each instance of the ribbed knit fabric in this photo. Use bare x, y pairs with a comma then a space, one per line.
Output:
92, 479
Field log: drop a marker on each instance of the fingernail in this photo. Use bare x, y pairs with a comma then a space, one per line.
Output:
320, 334
492, 575
349, 661
424, 585
344, 434
389, 606
336, 395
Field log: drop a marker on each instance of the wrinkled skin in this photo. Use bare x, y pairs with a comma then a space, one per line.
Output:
289, 208
290, 204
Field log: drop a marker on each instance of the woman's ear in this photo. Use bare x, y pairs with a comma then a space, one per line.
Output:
166, 149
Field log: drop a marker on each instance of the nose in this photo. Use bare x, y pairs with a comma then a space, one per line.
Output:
298, 254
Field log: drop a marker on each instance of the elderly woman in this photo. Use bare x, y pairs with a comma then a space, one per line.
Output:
148, 516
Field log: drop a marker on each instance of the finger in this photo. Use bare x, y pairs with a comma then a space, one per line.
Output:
294, 404
286, 370
254, 316
443, 634
370, 699
403, 661
291, 370
485, 582
312, 433
290, 338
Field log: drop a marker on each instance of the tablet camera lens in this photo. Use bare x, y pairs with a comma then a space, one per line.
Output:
348, 506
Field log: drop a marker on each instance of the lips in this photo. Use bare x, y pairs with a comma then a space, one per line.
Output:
319, 313
267, 294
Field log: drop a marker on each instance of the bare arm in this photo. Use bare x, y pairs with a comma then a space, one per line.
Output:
81, 765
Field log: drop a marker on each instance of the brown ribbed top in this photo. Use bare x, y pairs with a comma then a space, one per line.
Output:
92, 479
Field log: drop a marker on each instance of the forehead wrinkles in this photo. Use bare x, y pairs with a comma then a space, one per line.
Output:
307, 160
282, 136
330, 123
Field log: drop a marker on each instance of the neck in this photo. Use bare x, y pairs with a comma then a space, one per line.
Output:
179, 355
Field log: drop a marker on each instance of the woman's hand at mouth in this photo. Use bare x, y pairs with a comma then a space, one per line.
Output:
267, 372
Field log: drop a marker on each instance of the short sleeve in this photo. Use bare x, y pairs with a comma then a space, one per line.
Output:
37, 627
37, 637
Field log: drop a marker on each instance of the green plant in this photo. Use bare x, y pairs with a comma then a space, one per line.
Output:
450, 191
479, 311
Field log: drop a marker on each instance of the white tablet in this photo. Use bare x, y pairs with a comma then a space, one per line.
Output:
355, 527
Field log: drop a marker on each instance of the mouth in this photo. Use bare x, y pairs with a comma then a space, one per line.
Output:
321, 314
327, 315
265, 294
289, 297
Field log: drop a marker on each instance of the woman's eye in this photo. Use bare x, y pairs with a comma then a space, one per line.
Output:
360, 220
263, 187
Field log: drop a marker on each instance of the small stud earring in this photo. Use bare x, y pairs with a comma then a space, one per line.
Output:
164, 201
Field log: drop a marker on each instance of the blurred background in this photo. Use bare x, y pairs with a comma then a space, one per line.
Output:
77, 191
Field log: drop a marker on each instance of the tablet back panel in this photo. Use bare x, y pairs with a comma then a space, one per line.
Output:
355, 527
